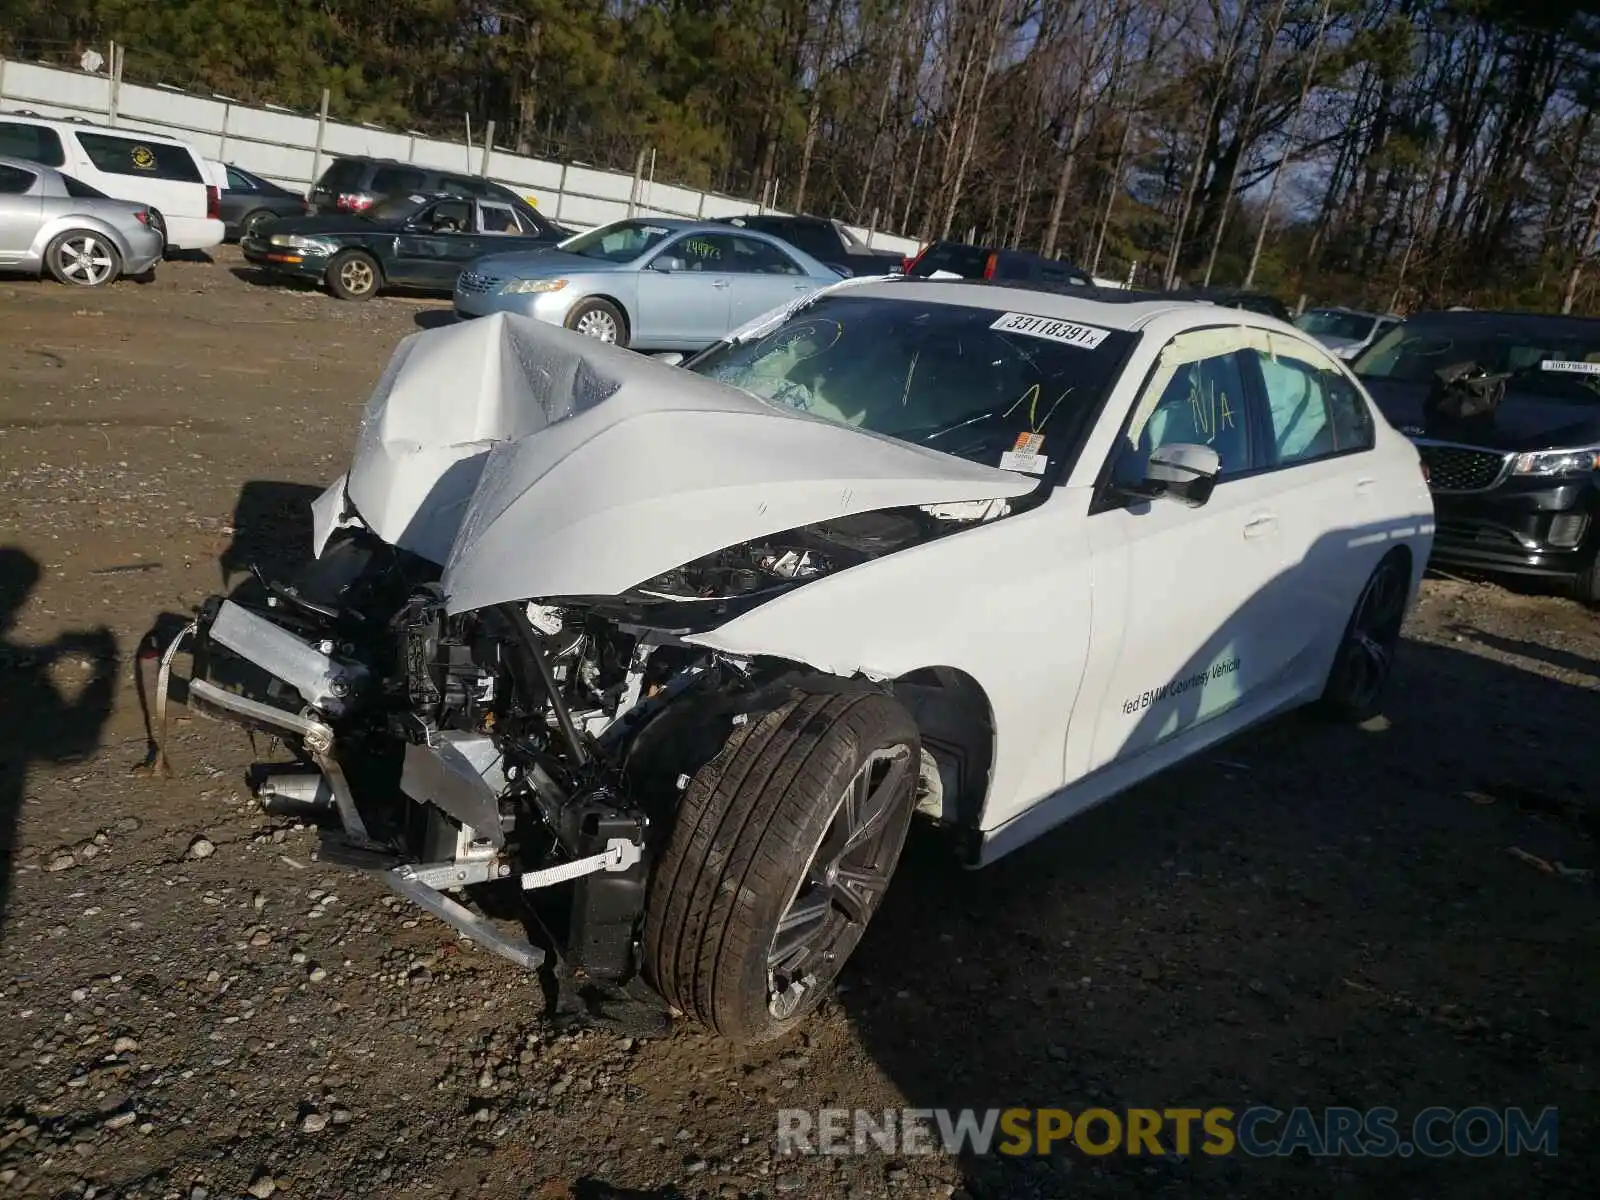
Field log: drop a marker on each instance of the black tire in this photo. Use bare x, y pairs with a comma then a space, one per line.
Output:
599, 319
82, 258
1365, 658
354, 275
762, 832
252, 220
1586, 584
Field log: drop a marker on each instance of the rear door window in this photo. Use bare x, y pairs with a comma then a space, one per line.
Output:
36, 143
144, 159
14, 181
389, 180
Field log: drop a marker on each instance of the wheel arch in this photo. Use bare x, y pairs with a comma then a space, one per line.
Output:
956, 718
616, 302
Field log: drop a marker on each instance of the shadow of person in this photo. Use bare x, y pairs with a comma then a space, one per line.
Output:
41, 724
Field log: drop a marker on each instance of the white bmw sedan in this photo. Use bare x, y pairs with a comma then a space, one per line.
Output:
695, 643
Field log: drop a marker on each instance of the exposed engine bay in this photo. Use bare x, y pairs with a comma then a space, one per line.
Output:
542, 744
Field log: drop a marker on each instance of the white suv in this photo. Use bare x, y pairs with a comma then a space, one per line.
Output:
693, 644
163, 173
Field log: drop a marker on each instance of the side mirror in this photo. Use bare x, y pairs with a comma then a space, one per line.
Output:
667, 264
1184, 471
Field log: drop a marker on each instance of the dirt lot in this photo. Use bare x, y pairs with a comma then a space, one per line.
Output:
1314, 916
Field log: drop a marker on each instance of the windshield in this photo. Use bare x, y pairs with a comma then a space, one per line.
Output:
394, 208
621, 241
1564, 365
1320, 323
1008, 390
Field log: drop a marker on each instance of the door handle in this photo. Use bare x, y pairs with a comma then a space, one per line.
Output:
1260, 525
1363, 486
802, 287
719, 283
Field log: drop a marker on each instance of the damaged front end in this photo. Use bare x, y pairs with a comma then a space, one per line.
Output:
489, 677
454, 750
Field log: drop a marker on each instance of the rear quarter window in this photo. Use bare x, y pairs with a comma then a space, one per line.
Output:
343, 176
142, 159
36, 143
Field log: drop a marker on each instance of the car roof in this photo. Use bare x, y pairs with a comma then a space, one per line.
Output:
121, 131
1111, 308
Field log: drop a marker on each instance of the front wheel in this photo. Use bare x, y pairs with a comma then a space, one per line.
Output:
83, 258
354, 275
1365, 658
781, 851
599, 319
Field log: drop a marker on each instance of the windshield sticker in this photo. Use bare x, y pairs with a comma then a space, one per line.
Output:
655, 229
1025, 456
1086, 337
1569, 367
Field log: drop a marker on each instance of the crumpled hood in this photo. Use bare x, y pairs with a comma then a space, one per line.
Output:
534, 462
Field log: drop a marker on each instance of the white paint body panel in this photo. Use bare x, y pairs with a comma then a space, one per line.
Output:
537, 464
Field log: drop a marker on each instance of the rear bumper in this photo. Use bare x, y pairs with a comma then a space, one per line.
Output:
193, 233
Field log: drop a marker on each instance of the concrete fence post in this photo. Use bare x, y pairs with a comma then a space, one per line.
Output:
561, 194
488, 148
322, 130
222, 148
115, 93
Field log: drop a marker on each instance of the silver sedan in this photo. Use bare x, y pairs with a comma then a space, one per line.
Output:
52, 222
650, 283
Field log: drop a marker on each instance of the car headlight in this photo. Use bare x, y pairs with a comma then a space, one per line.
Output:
527, 287
294, 241
1558, 462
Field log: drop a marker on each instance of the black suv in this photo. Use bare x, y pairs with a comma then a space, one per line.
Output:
829, 242
1516, 482
355, 183
994, 263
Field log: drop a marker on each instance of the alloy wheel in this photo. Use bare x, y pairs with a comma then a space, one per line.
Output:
843, 881
1367, 655
85, 259
357, 277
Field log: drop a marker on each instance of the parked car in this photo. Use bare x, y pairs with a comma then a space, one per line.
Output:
250, 201
827, 241
1516, 485
412, 241
1257, 302
52, 222
355, 183
957, 260
686, 648
650, 283
162, 173
1344, 330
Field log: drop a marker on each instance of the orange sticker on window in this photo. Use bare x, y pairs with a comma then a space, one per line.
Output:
1029, 443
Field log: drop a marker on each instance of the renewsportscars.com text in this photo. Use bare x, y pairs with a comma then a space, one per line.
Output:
1260, 1131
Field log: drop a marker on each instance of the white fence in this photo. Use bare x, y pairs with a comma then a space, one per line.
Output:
292, 149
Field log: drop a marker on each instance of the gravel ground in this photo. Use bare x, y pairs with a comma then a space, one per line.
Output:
194, 1006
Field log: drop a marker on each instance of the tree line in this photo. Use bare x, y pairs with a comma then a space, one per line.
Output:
1402, 153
